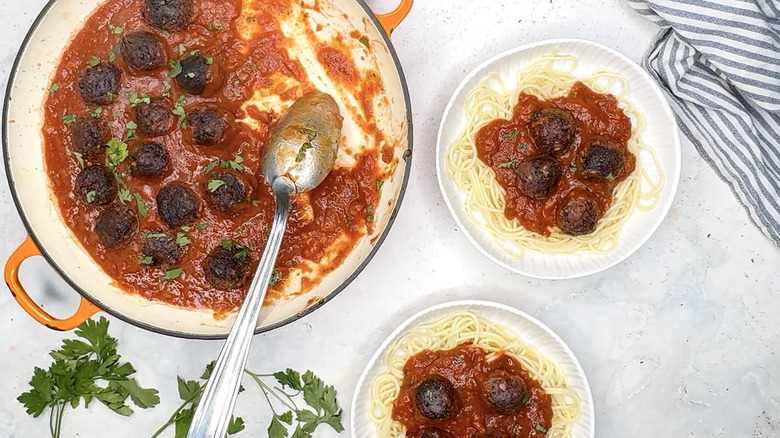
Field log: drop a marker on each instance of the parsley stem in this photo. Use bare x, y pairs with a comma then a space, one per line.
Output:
265, 387
175, 414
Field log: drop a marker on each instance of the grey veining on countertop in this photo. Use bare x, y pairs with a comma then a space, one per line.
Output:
678, 341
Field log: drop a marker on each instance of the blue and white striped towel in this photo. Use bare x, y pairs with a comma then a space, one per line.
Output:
719, 63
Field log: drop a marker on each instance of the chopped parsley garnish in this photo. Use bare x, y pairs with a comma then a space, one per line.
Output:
511, 135
310, 133
276, 277
146, 259
90, 196
93, 61
215, 184
370, 218
234, 164
79, 158
572, 167
131, 127
209, 60
114, 53
508, 164
155, 235
242, 252
379, 184
68, 118
54, 87
526, 399
185, 228
125, 195
370, 208
541, 428
302, 151
407, 154
173, 273
174, 68
116, 30
227, 244
97, 112
190, 75
523, 146
179, 111
610, 177
136, 98
203, 225
364, 41
181, 49
142, 210
116, 152
182, 240
211, 167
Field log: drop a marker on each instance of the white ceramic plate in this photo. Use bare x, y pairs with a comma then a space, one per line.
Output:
527, 327
661, 134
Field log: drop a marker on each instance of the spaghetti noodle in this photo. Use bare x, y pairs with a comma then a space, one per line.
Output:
467, 328
546, 78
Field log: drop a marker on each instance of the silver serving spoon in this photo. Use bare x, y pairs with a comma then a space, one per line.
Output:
300, 152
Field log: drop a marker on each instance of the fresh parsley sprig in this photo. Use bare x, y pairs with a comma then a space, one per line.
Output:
88, 369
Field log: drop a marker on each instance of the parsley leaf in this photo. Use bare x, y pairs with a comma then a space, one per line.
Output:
379, 184
302, 151
174, 68
79, 367
215, 184
116, 152
172, 274
124, 195
610, 177
68, 118
234, 164
139, 202
79, 158
146, 259
203, 225
97, 112
155, 235
90, 196
211, 167
407, 154
116, 30
541, 428
53, 88
276, 277
572, 167
364, 41
180, 111
514, 133
182, 240
181, 49
136, 98
93, 61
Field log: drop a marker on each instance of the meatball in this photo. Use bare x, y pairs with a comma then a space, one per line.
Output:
96, 185
100, 83
150, 160
154, 119
538, 176
225, 190
431, 432
161, 250
116, 225
195, 73
143, 51
435, 398
169, 15
553, 130
505, 392
602, 160
227, 266
177, 205
579, 215
89, 139
208, 126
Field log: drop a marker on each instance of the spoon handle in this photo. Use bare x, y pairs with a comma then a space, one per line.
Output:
216, 405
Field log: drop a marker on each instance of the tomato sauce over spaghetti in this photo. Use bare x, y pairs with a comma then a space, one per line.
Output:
502, 143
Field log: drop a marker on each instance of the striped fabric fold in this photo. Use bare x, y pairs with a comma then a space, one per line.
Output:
718, 61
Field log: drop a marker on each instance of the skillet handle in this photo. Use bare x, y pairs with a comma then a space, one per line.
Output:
391, 20
26, 250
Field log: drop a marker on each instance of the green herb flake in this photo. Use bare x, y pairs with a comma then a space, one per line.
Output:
523, 146
68, 118
302, 151
276, 277
370, 208
508, 164
572, 167
53, 88
182, 240
181, 49
124, 195
79, 158
116, 30
379, 184
215, 184
212, 165
407, 154
185, 228
541, 428
97, 112
514, 133
234, 164
227, 244
146, 260
526, 399
190, 75
167, 85
139, 202
241, 253
364, 41
93, 61
172, 274
174, 68
179, 111
610, 177
209, 60
203, 225
116, 152
370, 218
136, 99
154, 235
90, 196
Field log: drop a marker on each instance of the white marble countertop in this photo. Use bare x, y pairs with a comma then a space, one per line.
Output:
679, 340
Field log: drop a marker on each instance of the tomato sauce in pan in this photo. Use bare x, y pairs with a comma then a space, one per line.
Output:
468, 370
501, 143
324, 225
